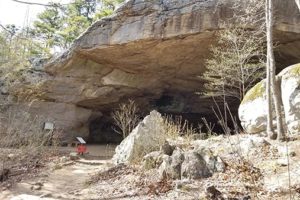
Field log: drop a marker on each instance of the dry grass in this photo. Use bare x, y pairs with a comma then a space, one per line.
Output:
175, 127
23, 143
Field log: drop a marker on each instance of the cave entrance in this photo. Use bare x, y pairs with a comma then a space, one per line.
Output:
188, 107
101, 132
199, 112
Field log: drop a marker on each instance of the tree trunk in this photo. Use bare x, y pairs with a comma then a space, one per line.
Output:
271, 66
270, 130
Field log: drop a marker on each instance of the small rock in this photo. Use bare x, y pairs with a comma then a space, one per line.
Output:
152, 160
246, 197
46, 195
292, 153
74, 156
64, 159
213, 193
282, 151
167, 149
10, 156
38, 183
4, 173
171, 165
179, 184
214, 163
249, 143
36, 187
282, 162
194, 166
199, 136
4, 91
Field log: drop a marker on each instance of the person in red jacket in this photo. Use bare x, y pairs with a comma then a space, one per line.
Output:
81, 149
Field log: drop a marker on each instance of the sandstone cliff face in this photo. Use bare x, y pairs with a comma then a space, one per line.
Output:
152, 51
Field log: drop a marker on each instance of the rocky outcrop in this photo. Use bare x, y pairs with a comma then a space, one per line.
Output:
148, 136
191, 164
152, 52
253, 112
68, 120
148, 49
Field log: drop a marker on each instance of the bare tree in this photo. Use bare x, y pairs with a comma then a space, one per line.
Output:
270, 130
238, 59
126, 118
271, 79
237, 63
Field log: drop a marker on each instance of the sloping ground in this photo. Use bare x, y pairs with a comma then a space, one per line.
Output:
62, 178
256, 168
66, 183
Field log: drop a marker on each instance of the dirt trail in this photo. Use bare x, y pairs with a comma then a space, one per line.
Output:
67, 181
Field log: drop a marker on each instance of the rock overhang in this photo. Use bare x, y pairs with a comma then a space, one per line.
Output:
151, 49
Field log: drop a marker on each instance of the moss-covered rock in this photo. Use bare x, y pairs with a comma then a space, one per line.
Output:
294, 70
253, 109
256, 92
290, 92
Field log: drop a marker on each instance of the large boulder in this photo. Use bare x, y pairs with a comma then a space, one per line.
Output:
148, 136
253, 109
290, 89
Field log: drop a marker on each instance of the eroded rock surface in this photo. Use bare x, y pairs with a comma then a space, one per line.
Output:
191, 164
152, 52
145, 138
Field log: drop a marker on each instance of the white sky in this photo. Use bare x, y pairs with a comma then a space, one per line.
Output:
15, 13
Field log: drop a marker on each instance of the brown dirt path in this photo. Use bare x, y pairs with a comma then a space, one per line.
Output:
65, 181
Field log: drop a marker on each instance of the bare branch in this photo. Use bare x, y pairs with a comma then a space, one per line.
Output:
126, 118
238, 58
38, 4
3, 27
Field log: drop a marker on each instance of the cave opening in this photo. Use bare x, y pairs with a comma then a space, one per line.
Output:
190, 108
101, 131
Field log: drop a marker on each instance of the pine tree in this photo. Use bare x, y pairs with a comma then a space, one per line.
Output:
59, 25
